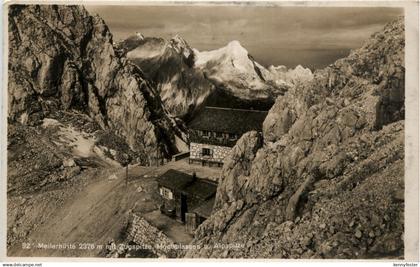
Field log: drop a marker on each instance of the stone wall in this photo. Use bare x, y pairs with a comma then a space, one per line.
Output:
219, 152
143, 233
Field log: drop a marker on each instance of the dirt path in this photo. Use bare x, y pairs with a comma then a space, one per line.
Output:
90, 217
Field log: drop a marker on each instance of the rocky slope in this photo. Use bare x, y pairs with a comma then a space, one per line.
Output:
170, 66
61, 58
186, 77
325, 179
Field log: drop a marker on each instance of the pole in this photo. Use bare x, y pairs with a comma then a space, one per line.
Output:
157, 156
126, 175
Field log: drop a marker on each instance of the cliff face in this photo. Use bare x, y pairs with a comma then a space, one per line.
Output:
169, 65
327, 174
61, 58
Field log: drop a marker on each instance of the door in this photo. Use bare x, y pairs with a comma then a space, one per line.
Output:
190, 222
184, 207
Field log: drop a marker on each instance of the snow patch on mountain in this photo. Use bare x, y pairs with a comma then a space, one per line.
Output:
293, 76
234, 69
233, 53
149, 48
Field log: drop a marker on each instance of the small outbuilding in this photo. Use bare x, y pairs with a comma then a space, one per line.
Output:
186, 197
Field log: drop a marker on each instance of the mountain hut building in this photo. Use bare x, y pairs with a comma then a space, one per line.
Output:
214, 131
186, 197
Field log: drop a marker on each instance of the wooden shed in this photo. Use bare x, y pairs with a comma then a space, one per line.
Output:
186, 197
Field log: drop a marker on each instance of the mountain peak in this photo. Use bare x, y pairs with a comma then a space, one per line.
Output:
180, 45
178, 38
234, 43
178, 41
139, 36
235, 46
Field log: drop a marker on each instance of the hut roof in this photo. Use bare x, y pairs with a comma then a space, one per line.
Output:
228, 120
174, 179
200, 188
186, 183
206, 208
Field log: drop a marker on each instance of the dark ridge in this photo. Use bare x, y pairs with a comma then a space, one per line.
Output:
257, 70
221, 98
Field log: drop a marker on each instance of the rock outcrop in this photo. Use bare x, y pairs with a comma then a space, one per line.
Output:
61, 58
170, 66
326, 178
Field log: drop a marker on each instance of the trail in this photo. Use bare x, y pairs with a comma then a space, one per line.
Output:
99, 211
94, 215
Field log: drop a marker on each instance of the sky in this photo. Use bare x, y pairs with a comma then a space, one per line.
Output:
313, 37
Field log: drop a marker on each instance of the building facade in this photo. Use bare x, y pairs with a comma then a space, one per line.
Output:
214, 131
213, 154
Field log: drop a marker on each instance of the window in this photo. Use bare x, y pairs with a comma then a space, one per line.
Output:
206, 152
166, 193
232, 136
219, 135
206, 134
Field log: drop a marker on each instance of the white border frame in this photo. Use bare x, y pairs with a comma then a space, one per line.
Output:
412, 200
